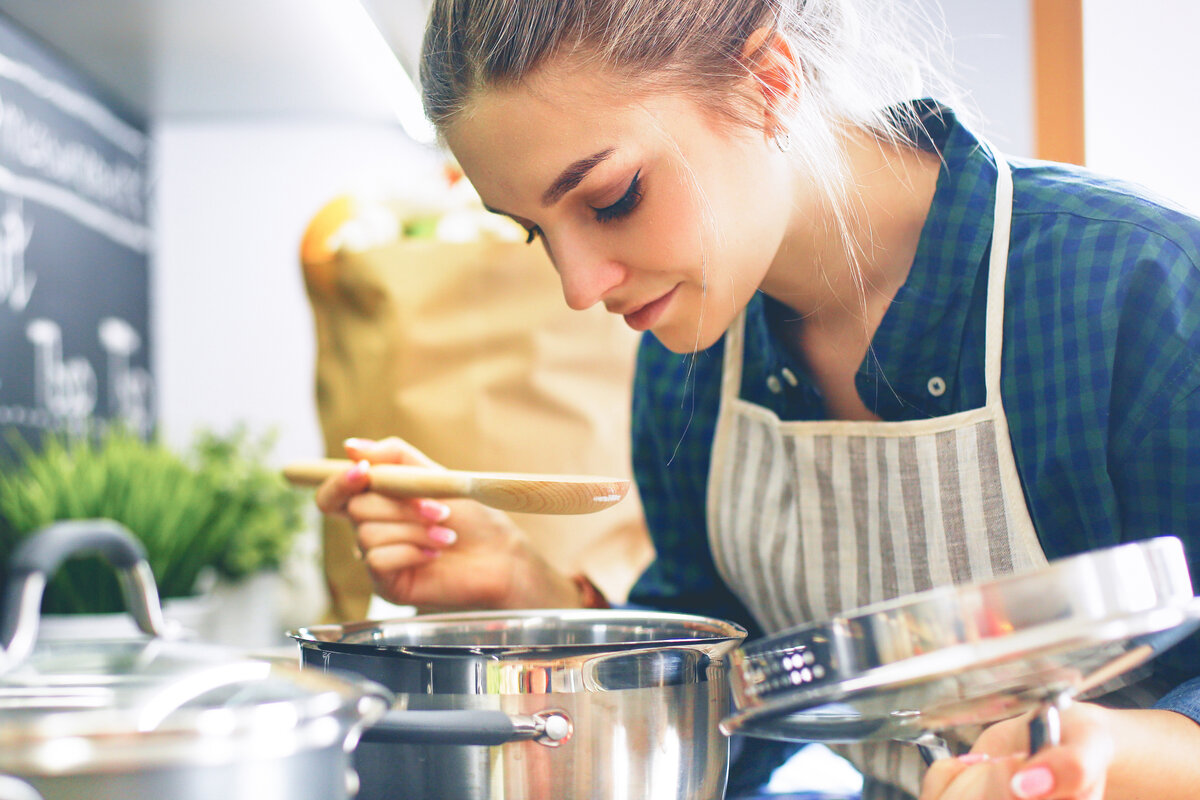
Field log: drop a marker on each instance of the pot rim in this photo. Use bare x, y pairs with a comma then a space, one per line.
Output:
688, 630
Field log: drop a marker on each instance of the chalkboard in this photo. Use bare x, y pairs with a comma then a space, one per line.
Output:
74, 250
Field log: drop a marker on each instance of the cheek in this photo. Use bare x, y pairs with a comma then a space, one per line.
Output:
681, 228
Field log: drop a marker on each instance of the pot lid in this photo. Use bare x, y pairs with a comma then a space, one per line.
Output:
968, 654
68, 706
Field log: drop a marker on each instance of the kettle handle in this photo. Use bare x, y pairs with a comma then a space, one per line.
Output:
39, 557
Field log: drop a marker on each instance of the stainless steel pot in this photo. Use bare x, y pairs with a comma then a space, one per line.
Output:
636, 696
152, 718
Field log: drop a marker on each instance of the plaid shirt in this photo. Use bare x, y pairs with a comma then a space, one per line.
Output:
1101, 365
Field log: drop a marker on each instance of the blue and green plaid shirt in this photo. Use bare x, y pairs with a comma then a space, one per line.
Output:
1101, 367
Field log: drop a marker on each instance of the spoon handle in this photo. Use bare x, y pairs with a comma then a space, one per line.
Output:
535, 494
392, 479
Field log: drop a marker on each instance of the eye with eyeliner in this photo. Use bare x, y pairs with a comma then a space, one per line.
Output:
624, 206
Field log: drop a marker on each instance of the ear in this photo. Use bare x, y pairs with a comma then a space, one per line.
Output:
776, 71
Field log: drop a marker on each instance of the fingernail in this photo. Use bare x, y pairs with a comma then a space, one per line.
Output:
359, 444
1034, 782
358, 471
442, 535
432, 510
430, 552
973, 758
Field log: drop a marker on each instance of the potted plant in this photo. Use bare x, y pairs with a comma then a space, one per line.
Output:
214, 512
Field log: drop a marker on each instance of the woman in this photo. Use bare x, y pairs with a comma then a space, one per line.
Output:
879, 356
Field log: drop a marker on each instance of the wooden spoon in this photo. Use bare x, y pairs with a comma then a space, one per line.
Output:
509, 491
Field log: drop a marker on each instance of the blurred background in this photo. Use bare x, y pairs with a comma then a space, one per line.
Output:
186, 149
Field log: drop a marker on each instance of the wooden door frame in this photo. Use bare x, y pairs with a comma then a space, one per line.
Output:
1058, 79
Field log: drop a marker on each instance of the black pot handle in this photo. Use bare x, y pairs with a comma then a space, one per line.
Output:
39, 557
469, 727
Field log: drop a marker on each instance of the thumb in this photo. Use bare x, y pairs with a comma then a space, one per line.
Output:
392, 450
1075, 770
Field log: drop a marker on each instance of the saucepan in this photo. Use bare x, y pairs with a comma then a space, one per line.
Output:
150, 717
640, 692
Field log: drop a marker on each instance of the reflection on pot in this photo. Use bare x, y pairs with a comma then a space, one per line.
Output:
643, 693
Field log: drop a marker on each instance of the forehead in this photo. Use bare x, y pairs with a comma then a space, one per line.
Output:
513, 141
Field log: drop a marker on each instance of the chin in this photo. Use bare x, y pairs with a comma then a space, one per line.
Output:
683, 342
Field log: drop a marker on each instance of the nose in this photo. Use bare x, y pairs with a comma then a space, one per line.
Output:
587, 274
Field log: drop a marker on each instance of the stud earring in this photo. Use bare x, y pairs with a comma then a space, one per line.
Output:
782, 140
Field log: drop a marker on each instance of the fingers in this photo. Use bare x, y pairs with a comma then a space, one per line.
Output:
391, 450
334, 494
374, 507
395, 535
387, 549
1071, 771
1074, 770
939, 776
974, 775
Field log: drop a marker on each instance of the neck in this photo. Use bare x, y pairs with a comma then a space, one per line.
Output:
832, 277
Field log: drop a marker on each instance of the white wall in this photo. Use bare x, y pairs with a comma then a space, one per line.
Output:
1142, 106
992, 62
233, 331
232, 328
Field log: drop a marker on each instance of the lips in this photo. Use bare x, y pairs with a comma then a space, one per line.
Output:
643, 317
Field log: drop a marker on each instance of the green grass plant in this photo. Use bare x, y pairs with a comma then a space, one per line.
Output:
215, 509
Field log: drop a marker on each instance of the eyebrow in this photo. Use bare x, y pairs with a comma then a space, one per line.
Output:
570, 177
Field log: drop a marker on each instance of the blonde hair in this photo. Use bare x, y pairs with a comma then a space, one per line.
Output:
857, 63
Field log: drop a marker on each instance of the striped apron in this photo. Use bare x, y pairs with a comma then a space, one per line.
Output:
810, 519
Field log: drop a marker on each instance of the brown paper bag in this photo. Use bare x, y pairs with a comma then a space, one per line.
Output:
469, 352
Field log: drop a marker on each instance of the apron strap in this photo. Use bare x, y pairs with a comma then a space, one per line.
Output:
997, 269
731, 370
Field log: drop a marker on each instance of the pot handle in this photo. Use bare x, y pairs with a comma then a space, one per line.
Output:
39, 557
469, 727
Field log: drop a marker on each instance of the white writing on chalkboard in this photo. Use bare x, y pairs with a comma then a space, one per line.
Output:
129, 387
65, 388
32, 144
74, 244
16, 283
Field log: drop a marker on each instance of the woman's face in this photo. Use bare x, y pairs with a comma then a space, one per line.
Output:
647, 205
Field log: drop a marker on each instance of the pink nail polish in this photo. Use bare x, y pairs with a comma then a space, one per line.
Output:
358, 471
432, 510
442, 535
1033, 782
430, 552
358, 444
973, 758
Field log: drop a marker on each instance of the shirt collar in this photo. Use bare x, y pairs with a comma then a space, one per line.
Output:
914, 361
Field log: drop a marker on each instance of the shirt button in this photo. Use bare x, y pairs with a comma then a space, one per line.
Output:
789, 376
936, 386
774, 384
